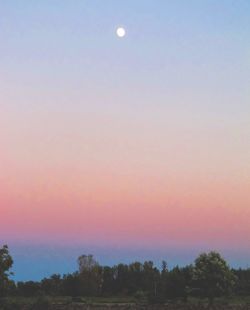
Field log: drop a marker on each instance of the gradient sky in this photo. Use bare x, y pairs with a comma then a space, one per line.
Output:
127, 148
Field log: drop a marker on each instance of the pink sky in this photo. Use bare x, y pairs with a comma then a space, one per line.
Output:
139, 141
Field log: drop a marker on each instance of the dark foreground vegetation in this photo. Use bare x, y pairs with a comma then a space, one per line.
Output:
208, 282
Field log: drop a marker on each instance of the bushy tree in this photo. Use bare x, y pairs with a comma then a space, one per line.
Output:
212, 276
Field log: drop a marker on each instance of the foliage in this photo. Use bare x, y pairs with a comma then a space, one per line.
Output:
242, 287
90, 275
6, 263
212, 276
176, 282
209, 277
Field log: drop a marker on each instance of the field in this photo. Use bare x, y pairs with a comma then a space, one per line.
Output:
102, 303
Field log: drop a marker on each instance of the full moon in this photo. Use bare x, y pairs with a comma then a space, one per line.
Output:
121, 32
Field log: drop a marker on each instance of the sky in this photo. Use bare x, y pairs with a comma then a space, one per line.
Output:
127, 148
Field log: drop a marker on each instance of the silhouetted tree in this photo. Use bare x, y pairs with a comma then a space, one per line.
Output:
242, 286
71, 285
108, 281
29, 288
176, 282
164, 267
150, 279
6, 263
90, 275
122, 279
52, 285
210, 277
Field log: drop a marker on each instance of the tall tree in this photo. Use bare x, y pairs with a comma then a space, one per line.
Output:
90, 274
6, 263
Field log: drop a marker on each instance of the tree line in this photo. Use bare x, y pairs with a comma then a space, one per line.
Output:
209, 276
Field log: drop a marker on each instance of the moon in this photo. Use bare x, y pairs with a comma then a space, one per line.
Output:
121, 32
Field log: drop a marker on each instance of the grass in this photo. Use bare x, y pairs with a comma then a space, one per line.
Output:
235, 300
111, 300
